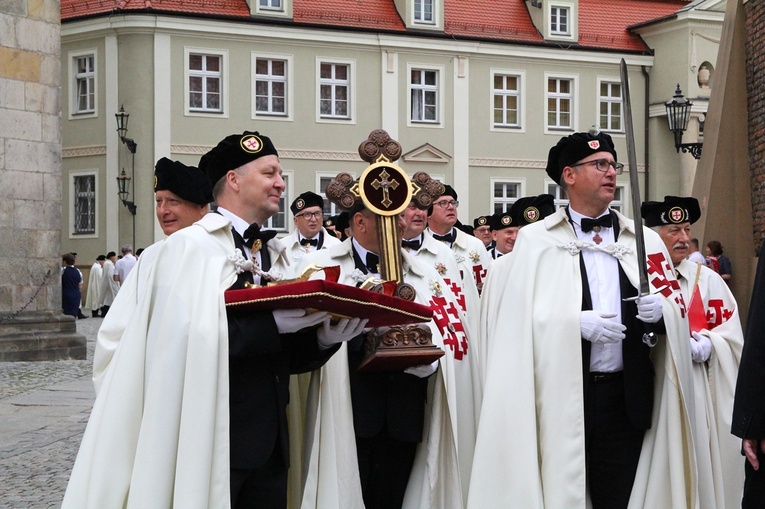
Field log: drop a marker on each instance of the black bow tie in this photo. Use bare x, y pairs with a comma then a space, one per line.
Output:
372, 263
603, 221
253, 233
449, 237
414, 245
309, 242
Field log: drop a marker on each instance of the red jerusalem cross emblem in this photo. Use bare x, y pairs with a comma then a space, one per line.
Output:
676, 215
251, 144
594, 144
532, 213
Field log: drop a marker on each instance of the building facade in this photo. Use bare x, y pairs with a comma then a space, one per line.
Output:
476, 95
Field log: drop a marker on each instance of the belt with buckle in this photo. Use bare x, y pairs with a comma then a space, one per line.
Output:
597, 377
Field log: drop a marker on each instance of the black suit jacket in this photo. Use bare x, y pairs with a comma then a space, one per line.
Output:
260, 363
749, 405
391, 400
638, 369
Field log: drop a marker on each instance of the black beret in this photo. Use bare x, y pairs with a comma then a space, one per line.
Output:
305, 200
448, 191
188, 182
502, 221
481, 221
110, 254
234, 151
531, 209
330, 221
342, 221
673, 210
576, 147
100, 257
464, 227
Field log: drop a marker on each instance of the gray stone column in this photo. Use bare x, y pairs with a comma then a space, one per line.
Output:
31, 324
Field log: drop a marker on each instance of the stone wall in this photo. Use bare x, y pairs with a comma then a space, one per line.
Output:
30, 185
755, 82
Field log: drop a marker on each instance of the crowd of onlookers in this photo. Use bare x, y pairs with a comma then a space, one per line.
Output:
104, 279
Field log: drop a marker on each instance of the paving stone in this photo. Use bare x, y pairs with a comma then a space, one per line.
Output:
44, 407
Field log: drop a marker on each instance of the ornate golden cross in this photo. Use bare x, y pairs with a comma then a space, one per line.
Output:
385, 184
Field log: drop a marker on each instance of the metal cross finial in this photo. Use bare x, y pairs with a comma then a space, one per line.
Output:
385, 184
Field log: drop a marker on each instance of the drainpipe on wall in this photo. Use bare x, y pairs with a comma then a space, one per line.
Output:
645, 137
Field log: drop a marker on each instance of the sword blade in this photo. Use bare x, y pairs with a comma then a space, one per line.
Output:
634, 184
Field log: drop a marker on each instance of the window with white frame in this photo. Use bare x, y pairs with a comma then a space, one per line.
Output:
205, 75
423, 12
618, 201
84, 200
334, 90
559, 194
507, 109
505, 194
84, 84
560, 103
271, 86
272, 5
561, 197
424, 95
560, 20
610, 106
278, 221
329, 208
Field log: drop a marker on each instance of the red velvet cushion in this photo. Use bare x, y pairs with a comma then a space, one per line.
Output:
340, 300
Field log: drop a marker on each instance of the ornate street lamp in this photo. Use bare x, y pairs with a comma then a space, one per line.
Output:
122, 127
678, 115
123, 181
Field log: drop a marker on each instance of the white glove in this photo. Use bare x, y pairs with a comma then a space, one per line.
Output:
344, 330
293, 320
649, 308
701, 347
598, 327
423, 371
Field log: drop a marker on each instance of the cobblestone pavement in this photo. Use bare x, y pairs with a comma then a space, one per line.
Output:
44, 407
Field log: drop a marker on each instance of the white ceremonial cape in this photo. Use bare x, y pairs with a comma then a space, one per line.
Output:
109, 287
137, 288
94, 283
471, 257
330, 463
293, 254
296, 252
718, 456
530, 445
158, 433
121, 313
437, 255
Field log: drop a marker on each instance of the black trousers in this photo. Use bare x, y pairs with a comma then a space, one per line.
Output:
384, 467
754, 485
260, 488
612, 443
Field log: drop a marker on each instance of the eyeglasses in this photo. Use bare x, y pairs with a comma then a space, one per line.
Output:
310, 215
446, 204
603, 165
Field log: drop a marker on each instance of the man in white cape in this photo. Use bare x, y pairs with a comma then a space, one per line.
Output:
109, 287
530, 450
181, 195
309, 233
716, 340
94, 285
166, 414
469, 252
331, 468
